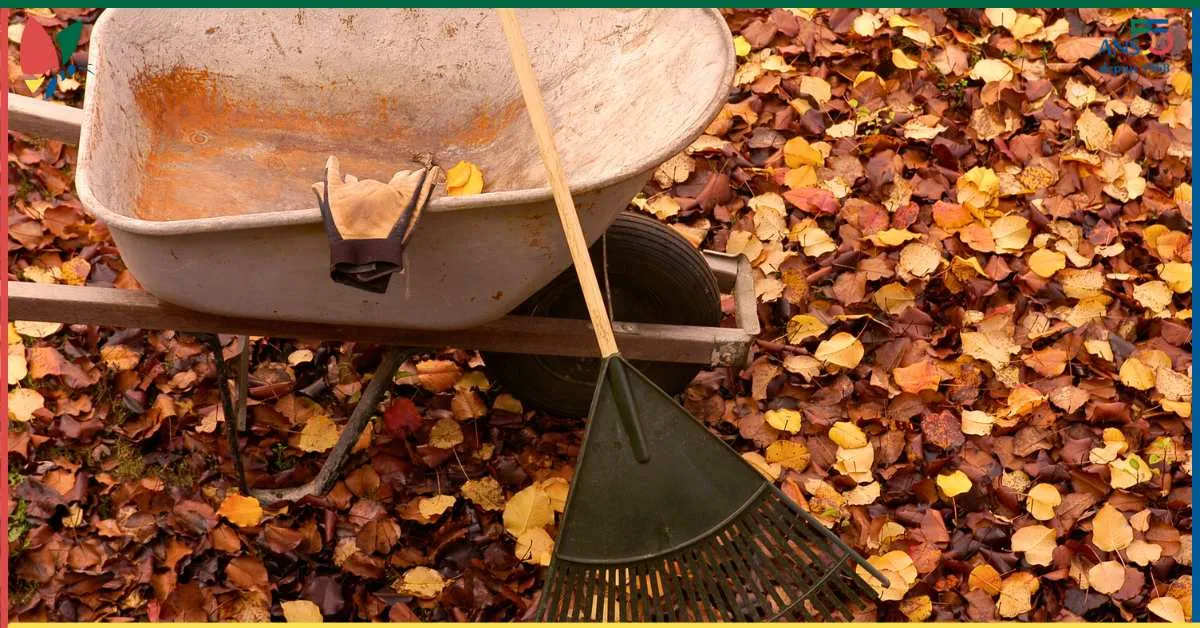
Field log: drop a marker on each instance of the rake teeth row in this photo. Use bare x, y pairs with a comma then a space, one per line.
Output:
767, 564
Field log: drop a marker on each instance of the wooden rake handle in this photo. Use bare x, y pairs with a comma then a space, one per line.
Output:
558, 182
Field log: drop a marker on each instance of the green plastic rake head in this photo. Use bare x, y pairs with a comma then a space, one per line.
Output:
691, 534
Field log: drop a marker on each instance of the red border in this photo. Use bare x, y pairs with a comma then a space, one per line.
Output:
4, 322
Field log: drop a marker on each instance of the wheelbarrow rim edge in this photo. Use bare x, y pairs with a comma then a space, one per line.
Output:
312, 215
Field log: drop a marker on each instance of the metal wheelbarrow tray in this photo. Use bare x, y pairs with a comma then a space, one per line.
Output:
203, 130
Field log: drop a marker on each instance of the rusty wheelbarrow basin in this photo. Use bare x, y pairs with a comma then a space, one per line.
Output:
203, 130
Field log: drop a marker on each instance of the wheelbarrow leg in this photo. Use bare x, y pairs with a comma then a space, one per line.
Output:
392, 358
242, 382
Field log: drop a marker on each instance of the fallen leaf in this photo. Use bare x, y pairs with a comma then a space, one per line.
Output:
302, 611
530, 508
242, 511
463, 179
954, 483
842, 349
319, 434
421, 582
1110, 530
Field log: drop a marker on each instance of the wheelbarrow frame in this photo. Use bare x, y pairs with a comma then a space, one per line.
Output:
114, 307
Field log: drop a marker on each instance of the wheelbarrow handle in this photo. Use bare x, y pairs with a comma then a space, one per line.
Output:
558, 183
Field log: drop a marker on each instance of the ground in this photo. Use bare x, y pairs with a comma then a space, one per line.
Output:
972, 239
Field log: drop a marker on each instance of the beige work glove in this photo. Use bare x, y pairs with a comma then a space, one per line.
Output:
369, 222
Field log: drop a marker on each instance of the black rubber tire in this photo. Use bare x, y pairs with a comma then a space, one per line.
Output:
656, 277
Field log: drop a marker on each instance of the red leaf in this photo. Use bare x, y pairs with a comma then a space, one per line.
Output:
812, 200
402, 417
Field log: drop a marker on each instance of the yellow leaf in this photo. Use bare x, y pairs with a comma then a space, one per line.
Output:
433, 507
421, 582
848, 435
1011, 234
919, 259
893, 298
1016, 594
897, 566
953, 484
892, 237
22, 403
1045, 262
741, 47
1155, 296
863, 494
1114, 445
984, 577
1174, 386
1107, 577
789, 454
866, 24
903, 61
812, 238
241, 511
302, 611
1143, 553
802, 177
464, 179
300, 356
18, 368
769, 470
816, 87
1002, 18
784, 419
917, 608
1137, 375
319, 434
1093, 130
1129, 471
977, 423
914, 378
1082, 284
446, 434
535, 546
1037, 542
992, 347
1042, 500
528, 509
557, 489
1181, 82
36, 329
1110, 530
1167, 608
855, 462
978, 189
1178, 276
991, 71
798, 152
802, 326
484, 492
842, 350
473, 379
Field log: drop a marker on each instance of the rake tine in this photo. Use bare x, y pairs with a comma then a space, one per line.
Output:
716, 578
750, 549
706, 582
737, 586
772, 574
783, 542
752, 575
675, 592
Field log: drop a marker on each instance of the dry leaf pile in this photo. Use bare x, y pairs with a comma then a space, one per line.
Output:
973, 264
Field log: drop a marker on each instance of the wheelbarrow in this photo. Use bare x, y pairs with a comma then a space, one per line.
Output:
200, 166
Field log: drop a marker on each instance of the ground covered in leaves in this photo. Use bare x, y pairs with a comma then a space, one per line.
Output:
973, 258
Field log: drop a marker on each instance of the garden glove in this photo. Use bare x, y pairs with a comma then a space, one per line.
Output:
369, 222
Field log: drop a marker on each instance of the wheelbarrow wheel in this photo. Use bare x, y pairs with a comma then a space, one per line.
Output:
654, 276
